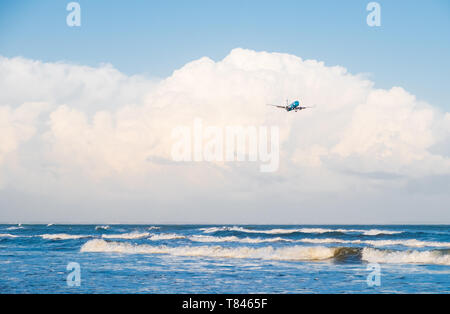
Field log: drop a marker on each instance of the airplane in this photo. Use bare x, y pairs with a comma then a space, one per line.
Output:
294, 106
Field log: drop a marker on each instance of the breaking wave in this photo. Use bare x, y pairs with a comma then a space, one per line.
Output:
215, 239
408, 243
291, 253
166, 236
374, 232
63, 236
438, 257
202, 238
294, 253
102, 227
371, 232
7, 235
129, 236
15, 227
270, 231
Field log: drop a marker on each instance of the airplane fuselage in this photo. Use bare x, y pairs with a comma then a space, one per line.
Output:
294, 106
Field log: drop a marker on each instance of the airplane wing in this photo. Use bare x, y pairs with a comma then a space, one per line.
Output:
282, 107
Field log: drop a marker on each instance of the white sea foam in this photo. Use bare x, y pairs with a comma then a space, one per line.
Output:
405, 257
269, 231
328, 240
7, 235
213, 239
372, 232
153, 228
214, 229
102, 227
203, 238
131, 235
298, 253
207, 238
165, 236
14, 227
409, 243
63, 236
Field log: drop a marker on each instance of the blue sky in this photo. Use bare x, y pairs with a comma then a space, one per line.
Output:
411, 48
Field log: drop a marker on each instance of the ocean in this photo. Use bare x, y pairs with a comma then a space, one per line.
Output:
224, 259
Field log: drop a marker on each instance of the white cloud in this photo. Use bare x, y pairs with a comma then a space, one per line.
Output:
17, 125
103, 132
89, 89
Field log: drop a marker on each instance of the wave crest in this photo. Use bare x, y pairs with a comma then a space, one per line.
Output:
371, 232
102, 227
7, 235
128, 236
408, 243
63, 236
15, 227
165, 236
406, 257
294, 253
203, 238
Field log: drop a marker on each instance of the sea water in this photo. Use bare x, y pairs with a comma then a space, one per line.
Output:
224, 259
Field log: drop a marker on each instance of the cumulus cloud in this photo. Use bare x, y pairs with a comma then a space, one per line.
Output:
100, 130
86, 88
17, 125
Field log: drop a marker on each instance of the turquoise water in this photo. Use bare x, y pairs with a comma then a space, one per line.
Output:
225, 259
